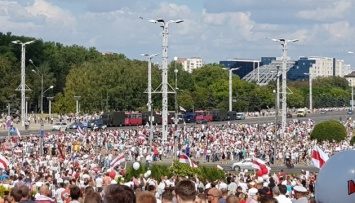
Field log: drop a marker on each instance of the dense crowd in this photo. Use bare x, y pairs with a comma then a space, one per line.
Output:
75, 167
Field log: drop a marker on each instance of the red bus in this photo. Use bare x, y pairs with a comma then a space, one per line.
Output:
202, 114
133, 118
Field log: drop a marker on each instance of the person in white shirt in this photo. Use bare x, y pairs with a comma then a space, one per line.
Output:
58, 192
279, 194
98, 183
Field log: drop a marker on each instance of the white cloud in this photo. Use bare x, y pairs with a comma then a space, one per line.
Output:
336, 10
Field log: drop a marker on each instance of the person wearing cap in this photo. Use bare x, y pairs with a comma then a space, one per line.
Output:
252, 196
300, 194
213, 195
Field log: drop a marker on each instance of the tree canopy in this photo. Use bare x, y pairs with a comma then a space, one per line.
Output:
114, 82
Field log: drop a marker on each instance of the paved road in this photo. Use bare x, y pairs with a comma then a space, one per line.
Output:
317, 117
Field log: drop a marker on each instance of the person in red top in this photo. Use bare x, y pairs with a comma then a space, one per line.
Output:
107, 179
66, 194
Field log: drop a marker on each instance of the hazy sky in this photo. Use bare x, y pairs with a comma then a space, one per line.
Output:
212, 29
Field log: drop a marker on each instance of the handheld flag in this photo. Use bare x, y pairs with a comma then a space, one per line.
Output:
319, 157
4, 163
118, 160
183, 158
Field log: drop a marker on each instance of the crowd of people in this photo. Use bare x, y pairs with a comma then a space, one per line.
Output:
72, 166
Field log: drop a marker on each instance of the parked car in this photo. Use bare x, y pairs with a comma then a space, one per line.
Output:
59, 126
242, 165
75, 125
323, 111
289, 115
96, 124
202, 121
350, 112
240, 116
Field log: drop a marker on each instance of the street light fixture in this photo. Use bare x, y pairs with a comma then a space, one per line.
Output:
41, 75
149, 79
230, 86
164, 84
22, 87
284, 43
176, 109
310, 91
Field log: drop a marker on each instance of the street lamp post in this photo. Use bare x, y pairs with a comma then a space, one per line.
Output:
284, 43
41, 75
149, 90
276, 123
176, 110
22, 87
26, 111
164, 84
50, 99
231, 87
310, 91
77, 98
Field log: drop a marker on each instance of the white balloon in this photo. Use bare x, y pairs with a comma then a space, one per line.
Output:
336, 179
136, 165
146, 175
149, 172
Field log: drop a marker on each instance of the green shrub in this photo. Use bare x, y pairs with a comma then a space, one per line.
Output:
352, 141
179, 169
331, 130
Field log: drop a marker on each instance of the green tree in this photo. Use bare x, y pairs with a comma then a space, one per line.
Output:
329, 131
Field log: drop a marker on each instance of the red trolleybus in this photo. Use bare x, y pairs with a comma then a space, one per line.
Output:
202, 114
133, 118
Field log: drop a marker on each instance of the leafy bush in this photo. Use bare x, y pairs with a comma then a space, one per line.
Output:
331, 130
179, 169
352, 141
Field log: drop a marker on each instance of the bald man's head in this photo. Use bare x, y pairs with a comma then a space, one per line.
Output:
44, 190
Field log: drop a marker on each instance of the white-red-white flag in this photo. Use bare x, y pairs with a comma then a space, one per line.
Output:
319, 157
259, 164
80, 131
183, 158
4, 163
118, 160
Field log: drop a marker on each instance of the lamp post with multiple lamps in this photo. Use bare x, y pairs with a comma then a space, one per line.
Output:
41, 75
277, 107
176, 120
310, 90
352, 87
149, 89
77, 98
284, 43
23, 86
164, 85
50, 99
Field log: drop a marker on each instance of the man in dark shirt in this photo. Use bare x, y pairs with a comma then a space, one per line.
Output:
25, 194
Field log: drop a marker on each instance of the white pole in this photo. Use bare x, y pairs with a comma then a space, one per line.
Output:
230, 89
23, 84
149, 84
284, 86
352, 97
310, 93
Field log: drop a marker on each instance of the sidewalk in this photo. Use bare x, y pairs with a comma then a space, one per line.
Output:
33, 126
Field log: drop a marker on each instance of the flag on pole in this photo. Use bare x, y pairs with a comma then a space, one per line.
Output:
259, 164
4, 163
183, 158
80, 131
18, 132
182, 109
118, 160
319, 157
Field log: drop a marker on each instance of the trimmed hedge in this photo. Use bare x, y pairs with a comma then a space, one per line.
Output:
179, 169
331, 130
352, 141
